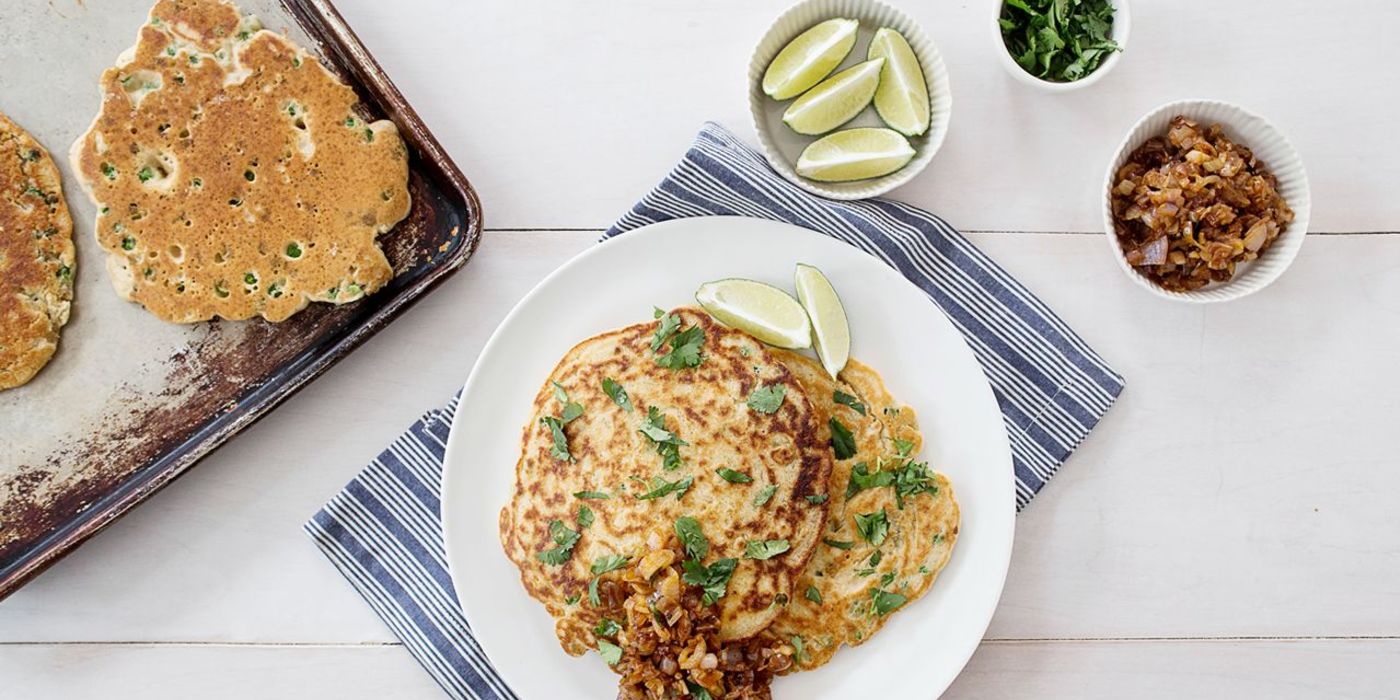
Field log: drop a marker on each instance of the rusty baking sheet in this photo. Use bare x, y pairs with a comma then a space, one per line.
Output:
130, 402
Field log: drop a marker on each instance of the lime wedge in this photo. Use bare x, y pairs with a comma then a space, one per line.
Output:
834, 101
809, 58
829, 327
761, 310
902, 99
854, 154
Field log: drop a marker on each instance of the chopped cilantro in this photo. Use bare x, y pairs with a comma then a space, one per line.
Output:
692, 538
667, 327
875, 558
886, 602
593, 495
697, 691
817, 499
667, 444
685, 349
560, 450
607, 628
903, 447
571, 409
874, 527
661, 487
585, 516
570, 600
767, 399
765, 494
842, 442
608, 562
733, 477
617, 394
765, 549
799, 654
610, 652
837, 543
713, 578
887, 579
564, 540
813, 595
845, 399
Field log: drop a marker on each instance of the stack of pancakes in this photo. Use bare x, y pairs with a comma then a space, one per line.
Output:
752, 458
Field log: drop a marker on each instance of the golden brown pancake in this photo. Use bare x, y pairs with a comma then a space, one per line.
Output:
36, 256
610, 465
848, 592
232, 173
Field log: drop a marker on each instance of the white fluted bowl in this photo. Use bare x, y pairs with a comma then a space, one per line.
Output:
782, 145
1269, 145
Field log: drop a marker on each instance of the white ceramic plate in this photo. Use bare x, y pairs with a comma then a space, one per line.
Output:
894, 327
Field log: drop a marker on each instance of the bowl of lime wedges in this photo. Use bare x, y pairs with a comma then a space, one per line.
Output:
850, 98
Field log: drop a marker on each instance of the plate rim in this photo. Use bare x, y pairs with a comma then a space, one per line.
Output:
449, 476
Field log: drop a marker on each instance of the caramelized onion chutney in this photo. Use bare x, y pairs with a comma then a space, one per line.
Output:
1191, 205
669, 639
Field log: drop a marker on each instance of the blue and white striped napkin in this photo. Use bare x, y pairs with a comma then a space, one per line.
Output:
383, 533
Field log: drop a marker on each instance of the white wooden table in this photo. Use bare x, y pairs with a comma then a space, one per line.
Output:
1230, 530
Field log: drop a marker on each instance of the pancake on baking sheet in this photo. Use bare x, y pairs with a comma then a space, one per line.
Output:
640, 427
891, 523
36, 256
232, 174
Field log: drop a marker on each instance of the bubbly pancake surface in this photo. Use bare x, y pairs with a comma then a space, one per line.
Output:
848, 591
613, 465
36, 256
232, 174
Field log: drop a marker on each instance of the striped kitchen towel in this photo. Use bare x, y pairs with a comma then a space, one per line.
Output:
382, 531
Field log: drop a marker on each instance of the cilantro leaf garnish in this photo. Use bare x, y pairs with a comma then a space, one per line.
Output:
661, 487
799, 654
593, 598
560, 451
875, 558
564, 540
813, 595
765, 495
817, 498
765, 549
874, 527
885, 602
861, 479
608, 562
909, 479
585, 516
665, 329
667, 444
733, 477
691, 537
903, 447
685, 349
713, 578
845, 399
843, 443
610, 652
697, 691
617, 394
570, 600
887, 579
767, 399
594, 495
607, 628
837, 543
571, 409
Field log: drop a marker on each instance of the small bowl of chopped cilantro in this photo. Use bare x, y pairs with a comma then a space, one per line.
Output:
1061, 45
